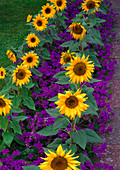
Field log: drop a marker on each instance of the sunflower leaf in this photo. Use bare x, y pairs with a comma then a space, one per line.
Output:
16, 110
80, 138
60, 123
53, 112
15, 126
29, 103
47, 131
36, 72
83, 158
92, 136
66, 44
8, 138
31, 167
3, 123
55, 143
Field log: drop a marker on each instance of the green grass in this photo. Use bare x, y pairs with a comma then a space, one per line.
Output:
13, 29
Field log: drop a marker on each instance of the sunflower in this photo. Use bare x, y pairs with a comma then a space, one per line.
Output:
66, 57
29, 17
80, 69
32, 40
12, 57
48, 11
2, 73
59, 160
21, 74
5, 105
90, 4
77, 30
60, 4
40, 23
30, 59
72, 104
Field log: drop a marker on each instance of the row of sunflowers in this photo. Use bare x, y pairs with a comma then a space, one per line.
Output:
77, 69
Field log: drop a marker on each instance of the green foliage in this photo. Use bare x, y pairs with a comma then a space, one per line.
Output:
83, 158
55, 143
29, 103
15, 126
80, 138
53, 112
92, 136
7, 138
60, 123
31, 167
3, 122
47, 131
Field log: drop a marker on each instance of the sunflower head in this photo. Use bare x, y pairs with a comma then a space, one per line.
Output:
48, 11
2, 73
71, 104
66, 57
77, 30
5, 105
90, 4
21, 74
29, 17
80, 69
60, 4
30, 59
32, 40
60, 160
40, 23
12, 57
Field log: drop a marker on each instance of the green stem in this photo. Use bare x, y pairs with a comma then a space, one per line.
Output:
72, 129
18, 91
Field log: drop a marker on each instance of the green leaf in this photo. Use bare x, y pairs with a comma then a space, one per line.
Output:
11, 68
7, 88
94, 80
60, 123
16, 110
92, 136
63, 80
83, 158
53, 112
36, 72
16, 101
23, 92
73, 148
47, 131
18, 118
58, 75
8, 138
55, 143
29, 85
3, 122
15, 126
53, 98
2, 146
31, 167
66, 44
1, 164
45, 54
80, 138
29, 103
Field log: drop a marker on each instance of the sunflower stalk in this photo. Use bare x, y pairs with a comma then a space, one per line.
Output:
72, 130
18, 91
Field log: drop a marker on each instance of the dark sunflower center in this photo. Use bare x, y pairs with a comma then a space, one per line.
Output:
1, 73
71, 102
66, 58
77, 29
79, 69
29, 59
33, 40
59, 3
20, 74
47, 11
39, 23
2, 103
90, 4
59, 163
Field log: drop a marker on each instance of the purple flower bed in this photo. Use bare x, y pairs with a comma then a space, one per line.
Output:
34, 143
